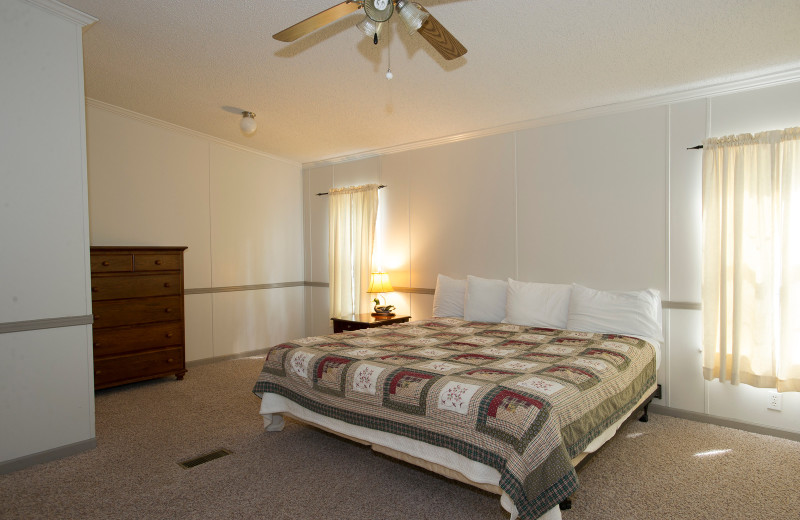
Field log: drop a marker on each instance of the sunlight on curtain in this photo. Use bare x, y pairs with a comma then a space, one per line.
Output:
751, 259
353, 212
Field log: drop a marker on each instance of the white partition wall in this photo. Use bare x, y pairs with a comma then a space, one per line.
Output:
683, 368
609, 199
239, 212
46, 387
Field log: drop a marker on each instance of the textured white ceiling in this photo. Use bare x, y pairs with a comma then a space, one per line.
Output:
197, 63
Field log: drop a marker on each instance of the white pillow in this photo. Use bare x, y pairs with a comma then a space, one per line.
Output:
537, 304
448, 300
486, 300
632, 313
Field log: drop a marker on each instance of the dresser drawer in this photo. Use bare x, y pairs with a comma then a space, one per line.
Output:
114, 313
131, 286
107, 263
122, 340
133, 367
156, 262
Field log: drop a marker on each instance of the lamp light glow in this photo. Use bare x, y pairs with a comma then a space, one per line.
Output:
379, 283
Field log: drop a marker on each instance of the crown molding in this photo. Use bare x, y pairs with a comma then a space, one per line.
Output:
761, 80
102, 105
65, 11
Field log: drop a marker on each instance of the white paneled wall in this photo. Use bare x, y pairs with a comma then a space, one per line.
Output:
611, 201
46, 393
238, 211
149, 185
585, 188
461, 208
754, 111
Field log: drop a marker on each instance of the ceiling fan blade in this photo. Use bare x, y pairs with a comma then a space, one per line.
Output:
440, 38
313, 23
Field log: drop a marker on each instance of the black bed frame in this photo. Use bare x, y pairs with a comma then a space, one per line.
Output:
656, 394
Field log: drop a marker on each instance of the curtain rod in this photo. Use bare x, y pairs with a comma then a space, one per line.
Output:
698, 147
326, 193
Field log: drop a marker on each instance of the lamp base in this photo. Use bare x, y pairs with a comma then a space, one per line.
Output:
382, 310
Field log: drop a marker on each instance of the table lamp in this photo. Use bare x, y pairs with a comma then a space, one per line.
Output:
379, 283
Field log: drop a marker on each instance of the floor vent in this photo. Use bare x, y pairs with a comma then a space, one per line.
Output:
202, 459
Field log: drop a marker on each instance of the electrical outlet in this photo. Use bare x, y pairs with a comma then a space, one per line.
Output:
775, 401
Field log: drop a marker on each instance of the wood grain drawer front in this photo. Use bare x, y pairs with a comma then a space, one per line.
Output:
156, 262
348, 326
131, 286
137, 366
111, 263
121, 340
133, 312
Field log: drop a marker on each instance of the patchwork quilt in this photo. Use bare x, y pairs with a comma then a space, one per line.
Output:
522, 400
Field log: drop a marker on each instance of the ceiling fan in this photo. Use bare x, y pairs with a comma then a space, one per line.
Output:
378, 13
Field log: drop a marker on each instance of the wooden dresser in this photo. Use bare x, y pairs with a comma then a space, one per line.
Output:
137, 302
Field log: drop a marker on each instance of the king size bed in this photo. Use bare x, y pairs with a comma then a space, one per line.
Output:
510, 408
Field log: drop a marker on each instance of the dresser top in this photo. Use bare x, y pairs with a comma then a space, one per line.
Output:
136, 248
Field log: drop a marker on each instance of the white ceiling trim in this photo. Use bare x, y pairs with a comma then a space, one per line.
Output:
181, 129
755, 82
64, 11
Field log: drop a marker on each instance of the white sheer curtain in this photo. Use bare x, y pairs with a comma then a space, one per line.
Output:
751, 259
353, 212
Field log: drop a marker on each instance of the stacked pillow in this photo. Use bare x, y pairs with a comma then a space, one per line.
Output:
538, 304
556, 306
632, 313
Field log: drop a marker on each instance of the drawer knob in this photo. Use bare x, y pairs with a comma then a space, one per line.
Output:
96, 317
168, 334
170, 360
166, 284
98, 372
167, 310
95, 289
96, 343
106, 263
158, 262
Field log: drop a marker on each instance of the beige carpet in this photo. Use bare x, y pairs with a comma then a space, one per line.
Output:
648, 471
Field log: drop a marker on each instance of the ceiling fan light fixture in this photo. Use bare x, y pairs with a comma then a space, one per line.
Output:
412, 15
379, 10
248, 123
370, 27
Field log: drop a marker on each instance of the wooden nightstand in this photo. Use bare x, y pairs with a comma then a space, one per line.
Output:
364, 321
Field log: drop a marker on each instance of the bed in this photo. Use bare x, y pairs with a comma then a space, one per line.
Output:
507, 407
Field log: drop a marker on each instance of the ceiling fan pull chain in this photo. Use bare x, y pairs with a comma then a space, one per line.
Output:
375, 38
389, 74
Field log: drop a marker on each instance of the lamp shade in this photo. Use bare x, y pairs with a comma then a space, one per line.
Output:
370, 27
248, 123
411, 15
379, 283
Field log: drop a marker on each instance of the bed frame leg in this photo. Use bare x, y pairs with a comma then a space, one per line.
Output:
566, 504
645, 417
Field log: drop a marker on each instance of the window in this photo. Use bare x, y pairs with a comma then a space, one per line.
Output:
352, 215
751, 259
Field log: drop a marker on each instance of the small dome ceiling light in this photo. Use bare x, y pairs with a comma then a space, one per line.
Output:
248, 123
